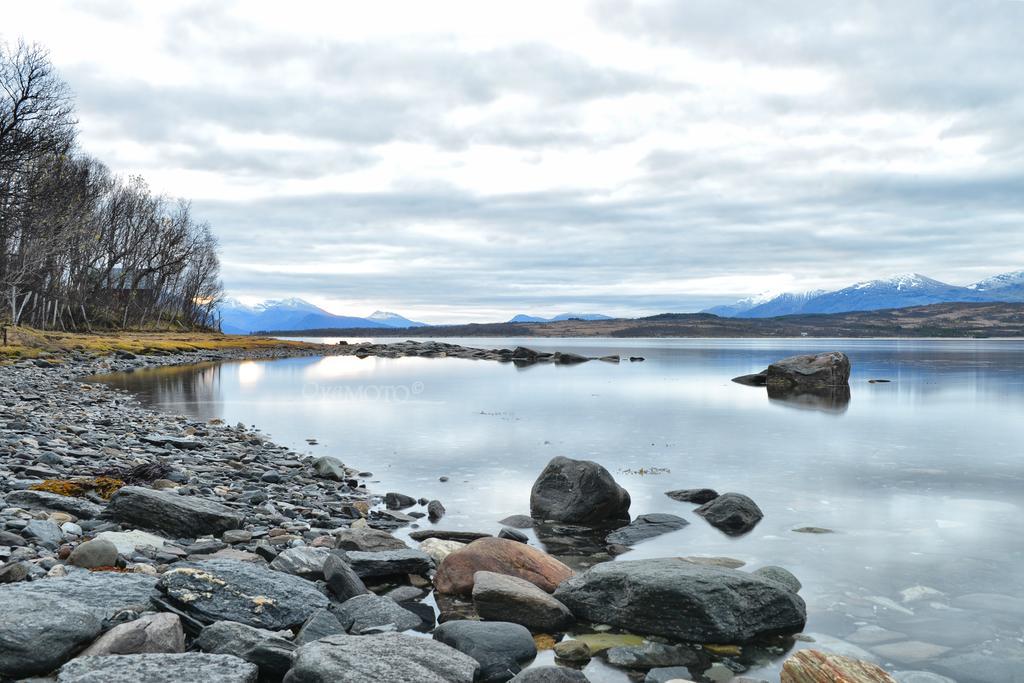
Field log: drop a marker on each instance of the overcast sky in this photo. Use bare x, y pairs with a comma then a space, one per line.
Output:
458, 161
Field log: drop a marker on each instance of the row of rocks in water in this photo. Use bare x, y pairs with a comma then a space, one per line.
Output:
142, 546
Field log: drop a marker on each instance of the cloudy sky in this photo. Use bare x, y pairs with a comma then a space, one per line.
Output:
463, 161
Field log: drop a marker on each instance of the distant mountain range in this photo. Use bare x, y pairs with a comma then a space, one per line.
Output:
901, 291
523, 318
297, 314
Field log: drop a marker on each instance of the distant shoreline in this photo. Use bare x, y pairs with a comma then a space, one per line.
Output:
936, 321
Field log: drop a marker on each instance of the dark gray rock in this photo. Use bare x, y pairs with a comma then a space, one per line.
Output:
513, 535
501, 648
303, 561
446, 535
230, 590
271, 653
367, 540
645, 527
158, 668
668, 673
12, 572
500, 597
384, 657
374, 614
813, 371
39, 633
173, 441
550, 674
683, 601
398, 501
159, 632
435, 510
44, 532
780, 575
94, 553
321, 623
105, 593
517, 521
341, 580
578, 492
732, 513
389, 562
699, 496
651, 655
327, 467
170, 512
43, 500
759, 379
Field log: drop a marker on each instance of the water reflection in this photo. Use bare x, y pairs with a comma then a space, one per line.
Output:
827, 399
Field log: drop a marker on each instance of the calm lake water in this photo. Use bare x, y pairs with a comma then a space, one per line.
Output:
921, 479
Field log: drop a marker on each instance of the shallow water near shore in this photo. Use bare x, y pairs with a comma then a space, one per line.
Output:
921, 479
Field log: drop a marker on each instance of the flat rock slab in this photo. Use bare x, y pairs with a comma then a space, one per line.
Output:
367, 540
105, 593
384, 657
699, 496
229, 590
38, 633
645, 527
44, 500
460, 536
500, 555
171, 513
388, 562
158, 668
688, 602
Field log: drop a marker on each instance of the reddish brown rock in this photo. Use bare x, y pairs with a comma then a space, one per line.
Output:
502, 556
814, 666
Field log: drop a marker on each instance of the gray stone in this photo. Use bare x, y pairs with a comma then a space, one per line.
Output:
367, 540
574, 651
813, 371
645, 527
39, 633
979, 667
578, 492
501, 648
159, 632
94, 553
550, 674
732, 513
375, 613
435, 510
44, 532
321, 623
513, 535
158, 668
500, 597
699, 496
668, 673
781, 575
171, 513
677, 599
342, 582
229, 590
303, 561
105, 593
173, 441
389, 562
650, 655
12, 572
518, 522
327, 467
384, 657
271, 653
44, 500
398, 501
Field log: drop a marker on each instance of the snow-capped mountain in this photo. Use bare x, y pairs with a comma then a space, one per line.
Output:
393, 319
295, 314
900, 291
523, 318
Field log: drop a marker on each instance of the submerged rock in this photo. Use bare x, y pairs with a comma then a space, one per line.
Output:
384, 657
677, 599
578, 492
500, 555
733, 513
171, 513
550, 674
814, 666
645, 527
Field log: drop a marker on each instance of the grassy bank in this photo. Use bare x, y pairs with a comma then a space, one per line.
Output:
25, 342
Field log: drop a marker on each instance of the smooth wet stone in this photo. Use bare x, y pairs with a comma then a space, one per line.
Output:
684, 601
228, 590
158, 668
645, 527
44, 500
38, 633
550, 674
574, 651
501, 648
367, 540
500, 597
699, 496
578, 492
375, 613
342, 581
513, 535
732, 513
384, 657
456, 574
170, 512
814, 666
94, 553
303, 561
388, 562
159, 632
271, 653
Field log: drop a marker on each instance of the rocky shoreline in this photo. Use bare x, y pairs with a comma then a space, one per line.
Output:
137, 545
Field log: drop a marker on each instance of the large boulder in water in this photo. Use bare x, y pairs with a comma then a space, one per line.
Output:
813, 371
677, 599
578, 492
456, 574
